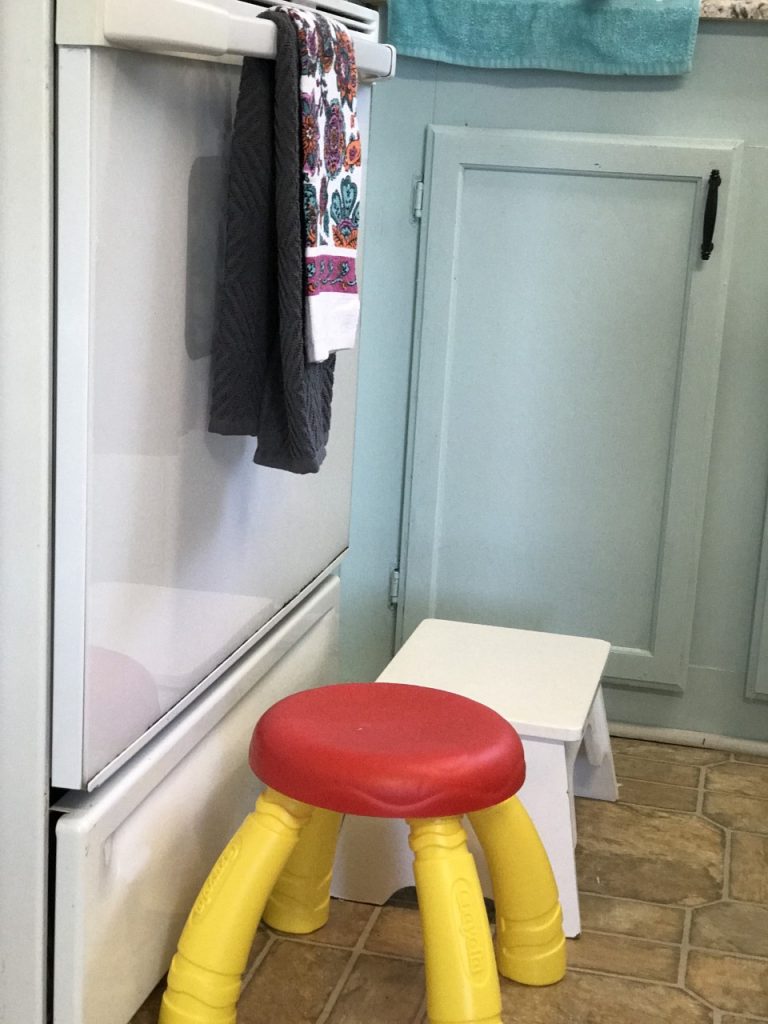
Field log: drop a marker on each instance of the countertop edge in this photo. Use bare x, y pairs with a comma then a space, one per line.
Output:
734, 10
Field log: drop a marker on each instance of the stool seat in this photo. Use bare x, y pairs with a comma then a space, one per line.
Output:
388, 750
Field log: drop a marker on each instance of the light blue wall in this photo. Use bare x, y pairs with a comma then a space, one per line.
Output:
726, 96
401, 110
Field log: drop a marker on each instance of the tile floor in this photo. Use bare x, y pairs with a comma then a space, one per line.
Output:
674, 882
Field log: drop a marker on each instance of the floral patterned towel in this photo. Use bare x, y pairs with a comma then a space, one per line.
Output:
331, 182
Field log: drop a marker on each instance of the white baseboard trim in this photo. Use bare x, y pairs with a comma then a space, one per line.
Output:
686, 738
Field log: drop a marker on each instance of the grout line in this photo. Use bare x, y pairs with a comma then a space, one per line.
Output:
713, 823
353, 958
603, 973
659, 757
656, 807
750, 832
715, 952
709, 903
727, 865
685, 945
305, 940
421, 1013
685, 941
632, 938
635, 899
395, 956
709, 1004
623, 777
700, 800
247, 978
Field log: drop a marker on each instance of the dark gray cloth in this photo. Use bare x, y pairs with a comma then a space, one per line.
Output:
261, 381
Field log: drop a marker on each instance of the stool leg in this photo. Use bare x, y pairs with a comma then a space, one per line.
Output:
206, 972
462, 983
530, 944
300, 901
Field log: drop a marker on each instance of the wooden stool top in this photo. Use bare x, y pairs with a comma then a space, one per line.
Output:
387, 750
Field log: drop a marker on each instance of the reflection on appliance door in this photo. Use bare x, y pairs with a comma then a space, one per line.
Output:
147, 647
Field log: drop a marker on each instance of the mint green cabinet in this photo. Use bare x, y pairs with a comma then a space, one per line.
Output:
565, 375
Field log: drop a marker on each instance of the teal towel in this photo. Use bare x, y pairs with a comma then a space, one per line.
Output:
601, 37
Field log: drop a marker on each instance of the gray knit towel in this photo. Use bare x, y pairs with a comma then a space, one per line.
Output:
261, 382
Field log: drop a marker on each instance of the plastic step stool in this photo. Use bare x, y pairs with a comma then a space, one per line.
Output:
412, 752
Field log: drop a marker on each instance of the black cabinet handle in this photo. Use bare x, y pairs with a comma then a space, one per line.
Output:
710, 215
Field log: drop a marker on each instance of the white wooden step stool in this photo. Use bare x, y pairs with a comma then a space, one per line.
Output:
548, 687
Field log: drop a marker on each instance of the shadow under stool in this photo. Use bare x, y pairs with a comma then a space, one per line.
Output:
386, 750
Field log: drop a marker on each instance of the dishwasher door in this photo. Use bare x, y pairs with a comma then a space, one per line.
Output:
131, 857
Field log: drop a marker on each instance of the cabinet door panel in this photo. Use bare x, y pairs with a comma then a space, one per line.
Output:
567, 367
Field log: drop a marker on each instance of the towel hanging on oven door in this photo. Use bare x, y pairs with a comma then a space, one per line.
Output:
331, 181
263, 384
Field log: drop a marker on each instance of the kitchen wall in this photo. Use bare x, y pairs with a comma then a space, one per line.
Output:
724, 97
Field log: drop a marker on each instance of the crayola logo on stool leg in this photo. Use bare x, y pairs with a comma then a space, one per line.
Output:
228, 856
472, 931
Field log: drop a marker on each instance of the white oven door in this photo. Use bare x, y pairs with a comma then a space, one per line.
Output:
174, 552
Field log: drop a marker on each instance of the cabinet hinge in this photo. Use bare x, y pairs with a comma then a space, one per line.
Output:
394, 588
418, 200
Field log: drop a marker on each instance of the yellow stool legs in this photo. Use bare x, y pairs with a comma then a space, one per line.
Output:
206, 972
286, 848
462, 983
530, 944
300, 901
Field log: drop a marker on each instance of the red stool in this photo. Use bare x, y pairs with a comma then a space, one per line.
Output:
383, 750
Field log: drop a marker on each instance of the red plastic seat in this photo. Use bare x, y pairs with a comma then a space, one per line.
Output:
388, 750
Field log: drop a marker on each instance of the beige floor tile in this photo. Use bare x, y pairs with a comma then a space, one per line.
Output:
397, 932
656, 794
648, 854
618, 954
730, 1019
627, 917
729, 983
345, 924
745, 779
379, 990
749, 867
666, 752
597, 999
628, 767
731, 928
736, 811
292, 984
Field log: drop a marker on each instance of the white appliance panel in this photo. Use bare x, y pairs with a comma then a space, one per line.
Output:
172, 548
131, 857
